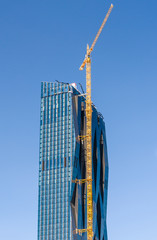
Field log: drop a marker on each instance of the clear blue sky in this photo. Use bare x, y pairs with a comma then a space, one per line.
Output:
46, 40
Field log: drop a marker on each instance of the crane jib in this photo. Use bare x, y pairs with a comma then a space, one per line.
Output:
97, 36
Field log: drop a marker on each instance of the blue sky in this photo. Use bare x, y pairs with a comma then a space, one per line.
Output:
45, 41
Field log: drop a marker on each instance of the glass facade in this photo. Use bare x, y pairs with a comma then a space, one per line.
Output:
61, 203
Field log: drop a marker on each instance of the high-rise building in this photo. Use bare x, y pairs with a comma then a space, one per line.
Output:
62, 203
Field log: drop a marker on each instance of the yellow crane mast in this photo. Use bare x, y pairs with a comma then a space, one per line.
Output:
88, 137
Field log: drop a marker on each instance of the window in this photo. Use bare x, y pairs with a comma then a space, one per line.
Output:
65, 162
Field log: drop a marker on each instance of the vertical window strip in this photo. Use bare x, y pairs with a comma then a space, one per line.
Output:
41, 189
69, 125
45, 168
49, 180
60, 169
52, 167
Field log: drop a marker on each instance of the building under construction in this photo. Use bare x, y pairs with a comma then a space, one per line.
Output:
63, 155
73, 165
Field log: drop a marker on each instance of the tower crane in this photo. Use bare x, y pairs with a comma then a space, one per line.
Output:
88, 180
